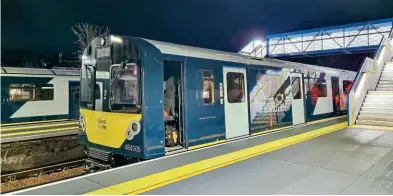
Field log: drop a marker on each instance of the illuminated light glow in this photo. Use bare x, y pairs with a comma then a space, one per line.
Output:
252, 45
116, 39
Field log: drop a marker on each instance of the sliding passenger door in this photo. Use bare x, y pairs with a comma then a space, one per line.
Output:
235, 102
297, 98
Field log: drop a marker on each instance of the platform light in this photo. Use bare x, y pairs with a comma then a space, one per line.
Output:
116, 39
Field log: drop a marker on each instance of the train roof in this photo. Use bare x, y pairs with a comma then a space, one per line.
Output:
39, 71
182, 50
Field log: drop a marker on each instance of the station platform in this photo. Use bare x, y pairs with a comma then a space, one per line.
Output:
317, 158
37, 130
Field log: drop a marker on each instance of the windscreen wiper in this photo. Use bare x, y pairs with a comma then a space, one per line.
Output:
117, 73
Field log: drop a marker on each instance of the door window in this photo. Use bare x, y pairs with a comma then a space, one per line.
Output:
296, 91
208, 87
235, 87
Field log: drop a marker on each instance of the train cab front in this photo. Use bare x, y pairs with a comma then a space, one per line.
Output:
110, 102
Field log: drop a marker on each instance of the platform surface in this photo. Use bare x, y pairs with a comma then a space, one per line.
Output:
144, 176
349, 161
321, 158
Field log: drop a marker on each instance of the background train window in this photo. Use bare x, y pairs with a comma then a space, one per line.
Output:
75, 92
347, 84
208, 87
235, 87
296, 92
31, 92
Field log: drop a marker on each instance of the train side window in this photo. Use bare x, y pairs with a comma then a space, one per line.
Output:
296, 92
235, 87
347, 84
319, 88
208, 87
31, 92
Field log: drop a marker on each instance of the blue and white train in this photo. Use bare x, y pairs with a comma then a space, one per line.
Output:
37, 95
141, 98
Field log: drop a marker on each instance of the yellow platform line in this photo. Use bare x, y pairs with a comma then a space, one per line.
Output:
33, 122
160, 179
41, 131
37, 126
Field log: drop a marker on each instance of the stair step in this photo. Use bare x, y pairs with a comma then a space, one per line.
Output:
375, 112
378, 100
376, 117
374, 122
385, 74
385, 104
379, 96
384, 89
378, 108
386, 81
386, 78
379, 93
385, 84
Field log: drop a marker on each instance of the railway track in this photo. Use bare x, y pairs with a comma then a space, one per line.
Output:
43, 175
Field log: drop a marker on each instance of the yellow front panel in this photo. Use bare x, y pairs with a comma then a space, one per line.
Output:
106, 128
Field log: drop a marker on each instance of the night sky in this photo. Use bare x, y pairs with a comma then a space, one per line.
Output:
44, 26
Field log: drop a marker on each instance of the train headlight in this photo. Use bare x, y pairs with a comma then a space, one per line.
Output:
102, 41
133, 129
82, 122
